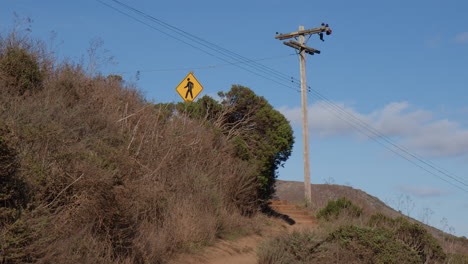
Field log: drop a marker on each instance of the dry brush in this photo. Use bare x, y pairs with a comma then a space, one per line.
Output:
108, 176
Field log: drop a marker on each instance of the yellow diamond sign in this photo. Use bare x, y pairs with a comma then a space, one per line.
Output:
189, 88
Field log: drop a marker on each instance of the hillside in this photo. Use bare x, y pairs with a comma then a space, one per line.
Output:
323, 193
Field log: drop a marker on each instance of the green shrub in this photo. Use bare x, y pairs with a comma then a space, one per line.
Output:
336, 208
347, 244
20, 71
294, 248
12, 189
458, 258
16, 238
377, 245
414, 235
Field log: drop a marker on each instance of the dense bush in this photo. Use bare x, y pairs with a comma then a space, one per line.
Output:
19, 70
414, 235
377, 245
338, 207
293, 248
347, 244
458, 258
12, 189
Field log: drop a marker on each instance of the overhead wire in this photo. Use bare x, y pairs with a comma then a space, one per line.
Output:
200, 40
257, 68
398, 150
205, 67
281, 79
376, 133
277, 80
363, 126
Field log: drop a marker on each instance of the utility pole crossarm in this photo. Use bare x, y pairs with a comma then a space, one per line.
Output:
299, 46
301, 33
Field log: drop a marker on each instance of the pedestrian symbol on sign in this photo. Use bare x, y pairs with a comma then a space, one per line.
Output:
189, 88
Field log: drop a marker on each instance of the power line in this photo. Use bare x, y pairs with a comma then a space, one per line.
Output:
205, 67
364, 129
206, 44
278, 80
364, 126
201, 41
376, 133
284, 80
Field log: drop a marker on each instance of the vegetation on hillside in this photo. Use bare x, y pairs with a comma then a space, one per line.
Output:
349, 236
90, 172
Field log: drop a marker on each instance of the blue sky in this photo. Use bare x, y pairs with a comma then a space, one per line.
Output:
400, 66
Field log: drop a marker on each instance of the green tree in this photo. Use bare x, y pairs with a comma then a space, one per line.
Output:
205, 108
259, 132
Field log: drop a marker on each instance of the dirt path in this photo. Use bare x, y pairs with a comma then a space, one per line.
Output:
244, 250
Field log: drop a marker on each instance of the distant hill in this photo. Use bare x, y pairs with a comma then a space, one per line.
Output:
321, 193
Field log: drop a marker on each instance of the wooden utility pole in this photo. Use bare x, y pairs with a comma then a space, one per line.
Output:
305, 122
303, 49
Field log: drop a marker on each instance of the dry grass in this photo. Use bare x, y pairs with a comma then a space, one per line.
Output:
110, 177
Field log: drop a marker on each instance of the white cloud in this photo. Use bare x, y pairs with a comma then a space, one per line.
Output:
462, 38
395, 120
413, 128
423, 191
440, 138
323, 120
